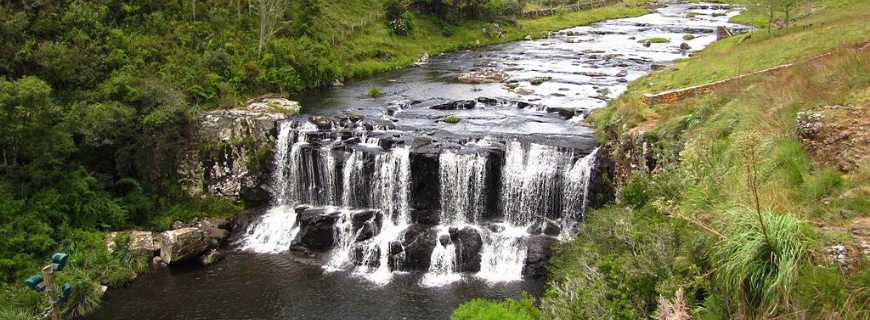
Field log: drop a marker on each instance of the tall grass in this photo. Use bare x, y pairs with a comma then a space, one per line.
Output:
760, 273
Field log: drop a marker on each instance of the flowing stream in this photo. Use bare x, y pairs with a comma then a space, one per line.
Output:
383, 209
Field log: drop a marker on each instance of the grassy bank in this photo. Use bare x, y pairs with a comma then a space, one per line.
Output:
737, 219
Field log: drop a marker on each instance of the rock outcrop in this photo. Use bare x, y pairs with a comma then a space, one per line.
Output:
227, 152
181, 244
837, 136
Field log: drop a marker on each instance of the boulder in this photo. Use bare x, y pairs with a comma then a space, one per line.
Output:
539, 80
273, 105
418, 242
485, 75
539, 251
181, 244
685, 46
321, 122
316, 229
468, 244
455, 105
545, 226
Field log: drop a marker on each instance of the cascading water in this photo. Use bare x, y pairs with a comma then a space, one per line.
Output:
503, 254
531, 182
576, 193
463, 187
443, 266
273, 232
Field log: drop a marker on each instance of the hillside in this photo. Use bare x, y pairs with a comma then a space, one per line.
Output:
738, 203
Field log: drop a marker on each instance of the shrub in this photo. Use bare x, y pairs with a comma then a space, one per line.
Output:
758, 267
398, 18
375, 92
510, 309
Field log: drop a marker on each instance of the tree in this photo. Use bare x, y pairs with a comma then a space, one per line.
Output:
270, 14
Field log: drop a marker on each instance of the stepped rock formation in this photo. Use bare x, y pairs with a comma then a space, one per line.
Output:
228, 151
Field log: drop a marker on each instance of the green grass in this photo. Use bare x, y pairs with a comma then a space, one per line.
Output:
452, 119
484, 309
375, 92
655, 40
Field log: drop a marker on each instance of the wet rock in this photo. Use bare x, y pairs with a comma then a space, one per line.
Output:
564, 112
211, 257
456, 105
487, 101
181, 244
468, 244
485, 75
426, 217
321, 122
425, 182
316, 229
523, 91
656, 66
685, 46
646, 44
444, 240
537, 256
493, 227
419, 242
621, 73
539, 80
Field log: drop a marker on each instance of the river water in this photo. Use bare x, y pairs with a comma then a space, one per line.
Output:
542, 141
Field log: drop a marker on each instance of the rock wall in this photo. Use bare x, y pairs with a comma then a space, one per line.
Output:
227, 153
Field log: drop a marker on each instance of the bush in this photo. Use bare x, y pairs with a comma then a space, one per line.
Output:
397, 16
757, 263
375, 92
510, 309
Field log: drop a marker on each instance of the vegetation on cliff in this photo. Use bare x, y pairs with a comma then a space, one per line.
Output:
737, 219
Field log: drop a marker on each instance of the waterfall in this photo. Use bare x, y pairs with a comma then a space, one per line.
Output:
531, 182
463, 187
503, 255
444, 263
577, 179
314, 167
279, 178
272, 232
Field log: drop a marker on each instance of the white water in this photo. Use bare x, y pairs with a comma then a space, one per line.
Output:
576, 188
444, 263
503, 254
531, 181
272, 232
463, 187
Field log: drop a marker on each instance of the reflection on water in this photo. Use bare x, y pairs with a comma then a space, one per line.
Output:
252, 286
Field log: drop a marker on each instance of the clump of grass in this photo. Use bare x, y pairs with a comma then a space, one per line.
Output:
375, 92
689, 37
759, 271
510, 309
452, 119
655, 40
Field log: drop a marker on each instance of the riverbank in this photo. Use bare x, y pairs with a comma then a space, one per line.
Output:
726, 205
